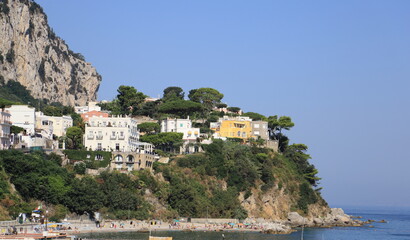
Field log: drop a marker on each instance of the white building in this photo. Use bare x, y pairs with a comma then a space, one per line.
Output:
112, 134
183, 126
92, 106
5, 125
23, 116
57, 125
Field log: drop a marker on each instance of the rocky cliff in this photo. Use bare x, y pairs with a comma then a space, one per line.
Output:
33, 55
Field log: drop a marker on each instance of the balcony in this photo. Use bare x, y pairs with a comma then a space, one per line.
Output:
121, 137
99, 137
4, 135
90, 137
113, 137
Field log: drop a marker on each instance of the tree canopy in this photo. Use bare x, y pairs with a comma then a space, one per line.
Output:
173, 93
255, 116
129, 99
149, 127
165, 140
74, 138
180, 108
208, 97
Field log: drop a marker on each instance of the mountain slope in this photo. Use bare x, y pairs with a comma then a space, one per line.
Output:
33, 55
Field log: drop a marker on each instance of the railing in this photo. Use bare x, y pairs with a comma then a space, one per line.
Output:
90, 137
121, 137
113, 137
99, 137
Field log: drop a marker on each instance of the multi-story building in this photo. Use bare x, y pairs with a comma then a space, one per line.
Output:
92, 106
44, 125
260, 129
23, 116
181, 126
142, 158
86, 116
232, 127
54, 125
112, 134
5, 125
61, 124
184, 126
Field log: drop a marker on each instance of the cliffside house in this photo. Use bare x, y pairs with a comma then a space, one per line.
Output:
184, 126
5, 125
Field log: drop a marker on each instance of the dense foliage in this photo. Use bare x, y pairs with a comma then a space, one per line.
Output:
38, 176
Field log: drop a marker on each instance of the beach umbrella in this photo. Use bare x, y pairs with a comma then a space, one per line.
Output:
231, 224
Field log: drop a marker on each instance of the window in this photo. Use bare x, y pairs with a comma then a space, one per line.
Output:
256, 133
256, 125
99, 146
118, 158
117, 147
113, 133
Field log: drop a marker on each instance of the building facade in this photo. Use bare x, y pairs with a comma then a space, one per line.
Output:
232, 127
181, 126
260, 129
92, 106
142, 158
108, 134
23, 116
57, 125
190, 134
86, 116
5, 125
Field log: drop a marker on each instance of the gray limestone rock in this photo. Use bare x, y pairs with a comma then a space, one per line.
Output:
35, 57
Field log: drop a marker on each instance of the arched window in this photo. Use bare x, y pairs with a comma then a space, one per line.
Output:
118, 158
130, 158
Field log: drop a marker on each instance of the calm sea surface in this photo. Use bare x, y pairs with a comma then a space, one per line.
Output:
398, 227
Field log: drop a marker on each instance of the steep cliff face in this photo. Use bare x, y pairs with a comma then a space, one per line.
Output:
33, 55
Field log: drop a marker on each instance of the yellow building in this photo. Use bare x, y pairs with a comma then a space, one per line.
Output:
238, 127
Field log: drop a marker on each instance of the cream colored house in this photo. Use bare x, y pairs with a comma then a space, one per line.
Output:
55, 125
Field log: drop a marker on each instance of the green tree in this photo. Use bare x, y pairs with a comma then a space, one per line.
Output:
113, 107
149, 127
234, 109
221, 105
129, 99
166, 141
297, 154
180, 108
16, 129
52, 111
276, 125
74, 136
255, 116
173, 93
85, 196
208, 97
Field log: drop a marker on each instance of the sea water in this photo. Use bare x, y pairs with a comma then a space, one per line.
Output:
396, 228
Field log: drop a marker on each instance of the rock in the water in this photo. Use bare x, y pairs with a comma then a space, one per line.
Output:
295, 219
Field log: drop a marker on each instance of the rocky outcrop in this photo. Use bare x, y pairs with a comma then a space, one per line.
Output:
336, 217
33, 55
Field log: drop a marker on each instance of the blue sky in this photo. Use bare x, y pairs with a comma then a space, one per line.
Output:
340, 69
